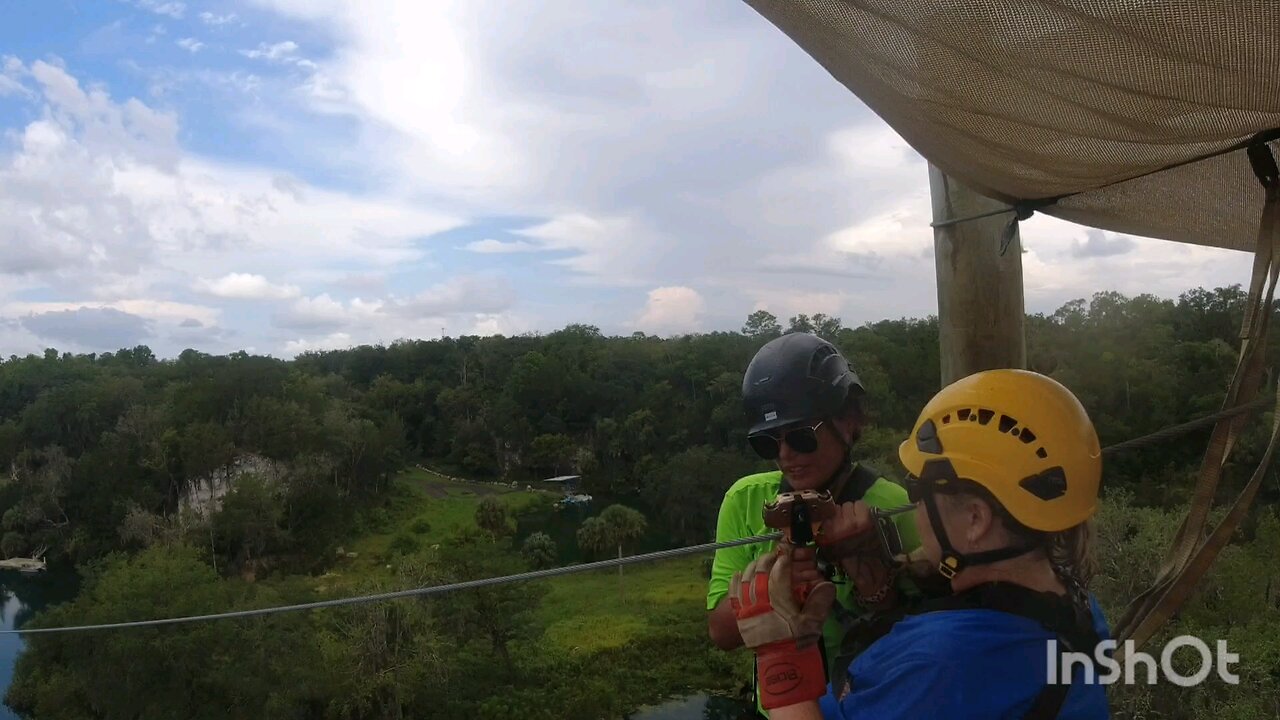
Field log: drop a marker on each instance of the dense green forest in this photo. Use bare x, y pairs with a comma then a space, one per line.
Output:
203, 483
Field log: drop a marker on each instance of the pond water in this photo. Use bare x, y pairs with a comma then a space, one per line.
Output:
21, 597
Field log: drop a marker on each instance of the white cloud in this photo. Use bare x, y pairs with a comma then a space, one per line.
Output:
12, 72
652, 159
1053, 271
209, 18
99, 186
466, 304
165, 311
191, 45
322, 313
463, 294
897, 232
1102, 244
496, 324
276, 52
10, 86
787, 305
17, 340
174, 10
332, 341
245, 286
286, 53
98, 199
94, 329
700, 148
489, 246
671, 310
616, 250
367, 283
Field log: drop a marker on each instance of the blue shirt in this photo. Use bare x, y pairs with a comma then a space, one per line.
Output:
961, 664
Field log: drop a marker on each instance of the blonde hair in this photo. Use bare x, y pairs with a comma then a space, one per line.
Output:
1071, 554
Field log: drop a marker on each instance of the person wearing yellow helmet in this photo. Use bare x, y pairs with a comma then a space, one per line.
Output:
1005, 468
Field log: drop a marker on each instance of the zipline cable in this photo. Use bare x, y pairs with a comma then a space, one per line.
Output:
415, 592
1136, 443
1186, 427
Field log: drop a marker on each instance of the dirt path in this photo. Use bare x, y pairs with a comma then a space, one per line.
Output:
438, 486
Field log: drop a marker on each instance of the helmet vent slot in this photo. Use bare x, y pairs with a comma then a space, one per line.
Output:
984, 416
927, 439
1048, 485
963, 414
819, 357
1007, 423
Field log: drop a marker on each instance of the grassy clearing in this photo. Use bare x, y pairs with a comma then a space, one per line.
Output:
583, 613
644, 646
422, 509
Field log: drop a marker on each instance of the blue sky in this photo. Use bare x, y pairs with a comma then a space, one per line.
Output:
281, 175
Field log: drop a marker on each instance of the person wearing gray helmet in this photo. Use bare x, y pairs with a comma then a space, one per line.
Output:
804, 406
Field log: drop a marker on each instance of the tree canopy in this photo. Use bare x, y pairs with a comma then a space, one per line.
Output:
89, 439
179, 485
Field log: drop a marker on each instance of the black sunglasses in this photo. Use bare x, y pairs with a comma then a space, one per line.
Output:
801, 439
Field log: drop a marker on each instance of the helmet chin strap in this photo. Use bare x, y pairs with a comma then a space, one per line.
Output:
953, 562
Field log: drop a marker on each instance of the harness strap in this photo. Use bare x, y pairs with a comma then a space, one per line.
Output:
1071, 621
1191, 554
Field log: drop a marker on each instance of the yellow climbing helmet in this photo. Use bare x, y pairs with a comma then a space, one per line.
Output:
1022, 436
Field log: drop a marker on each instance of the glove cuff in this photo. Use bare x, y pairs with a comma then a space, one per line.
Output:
788, 674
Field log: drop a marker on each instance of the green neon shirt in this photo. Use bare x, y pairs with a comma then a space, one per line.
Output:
741, 515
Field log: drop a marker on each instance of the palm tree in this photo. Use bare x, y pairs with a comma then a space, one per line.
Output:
615, 527
539, 550
491, 516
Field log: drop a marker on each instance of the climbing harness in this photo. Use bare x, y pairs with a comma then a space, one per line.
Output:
1067, 617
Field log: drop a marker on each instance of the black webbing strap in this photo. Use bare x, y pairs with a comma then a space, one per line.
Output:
1071, 621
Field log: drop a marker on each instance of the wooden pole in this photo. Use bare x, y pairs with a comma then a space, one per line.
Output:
980, 302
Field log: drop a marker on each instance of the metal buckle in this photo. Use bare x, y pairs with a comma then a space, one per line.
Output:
894, 554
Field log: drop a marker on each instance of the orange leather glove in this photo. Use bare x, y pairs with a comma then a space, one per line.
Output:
783, 632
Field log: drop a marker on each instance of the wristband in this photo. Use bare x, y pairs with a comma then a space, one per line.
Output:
788, 674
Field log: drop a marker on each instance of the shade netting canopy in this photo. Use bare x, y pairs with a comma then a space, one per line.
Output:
1128, 115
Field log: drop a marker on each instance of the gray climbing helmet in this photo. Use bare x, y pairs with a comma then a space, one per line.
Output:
793, 378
